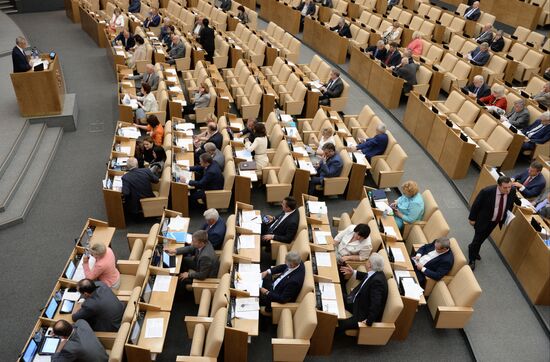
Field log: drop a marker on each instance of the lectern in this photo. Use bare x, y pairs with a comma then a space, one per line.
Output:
40, 93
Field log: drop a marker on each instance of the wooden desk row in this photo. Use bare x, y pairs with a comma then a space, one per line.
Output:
93, 26
281, 14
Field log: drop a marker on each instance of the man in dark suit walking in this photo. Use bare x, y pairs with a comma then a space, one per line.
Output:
531, 182
366, 302
78, 343
101, 308
200, 260
333, 89
136, 185
282, 228
286, 287
489, 210
20, 62
433, 260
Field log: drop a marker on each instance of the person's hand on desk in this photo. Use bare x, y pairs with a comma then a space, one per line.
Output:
346, 258
263, 291
347, 271
183, 276
352, 148
419, 266
183, 180
268, 237
170, 251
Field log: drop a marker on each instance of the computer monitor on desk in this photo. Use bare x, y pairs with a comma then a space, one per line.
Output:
30, 352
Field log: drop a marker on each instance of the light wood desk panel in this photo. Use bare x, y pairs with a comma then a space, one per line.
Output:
326, 42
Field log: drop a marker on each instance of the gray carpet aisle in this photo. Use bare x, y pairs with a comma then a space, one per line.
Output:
71, 193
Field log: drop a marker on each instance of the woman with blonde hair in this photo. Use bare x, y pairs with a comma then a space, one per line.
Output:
104, 268
327, 136
409, 207
416, 45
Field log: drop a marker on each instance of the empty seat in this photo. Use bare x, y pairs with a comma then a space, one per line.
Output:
423, 233
493, 151
279, 179
388, 170
207, 342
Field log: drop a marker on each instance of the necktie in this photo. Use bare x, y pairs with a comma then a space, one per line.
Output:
388, 58
500, 208
529, 179
276, 223
470, 12
356, 290
329, 84
477, 90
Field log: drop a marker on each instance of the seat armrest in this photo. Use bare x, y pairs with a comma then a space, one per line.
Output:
128, 267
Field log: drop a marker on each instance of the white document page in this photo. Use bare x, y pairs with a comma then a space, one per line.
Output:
397, 254
323, 259
162, 283
328, 291
247, 242
154, 328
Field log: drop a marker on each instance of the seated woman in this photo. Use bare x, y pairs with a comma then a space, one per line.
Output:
153, 129
327, 136
496, 101
104, 268
409, 207
139, 52
416, 45
159, 158
259, 148
242, 15
201, 99
392, 33
146, 103
117, 21
353, 243
144, 150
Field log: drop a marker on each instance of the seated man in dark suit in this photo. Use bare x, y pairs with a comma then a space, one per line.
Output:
286, 287
212, 179
433, 260
407, 71
373, 146
378, 51
282, 228
366, 302
306, 7
393, 57
478, 88
542, 205
153, 20
149, 77
480, 55
248, 131
486, 34
473, 12
210, 135
332, 89
136, 185
134, 6
215, 227
531, 182
126, 39
18, 57
342, 28
330, 166
101, 308
200, 260
78, 343
537, 133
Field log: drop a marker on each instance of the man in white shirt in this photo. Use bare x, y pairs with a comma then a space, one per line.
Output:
433, 260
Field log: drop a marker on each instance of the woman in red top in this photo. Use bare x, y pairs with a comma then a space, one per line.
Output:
154, 129
496, 98
416, 46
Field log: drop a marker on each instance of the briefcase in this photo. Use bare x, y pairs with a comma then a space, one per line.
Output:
246, 166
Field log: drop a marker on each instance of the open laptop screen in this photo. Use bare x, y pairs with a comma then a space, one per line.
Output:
30, 352
51, 308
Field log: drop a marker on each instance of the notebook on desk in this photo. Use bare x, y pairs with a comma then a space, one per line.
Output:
250, 165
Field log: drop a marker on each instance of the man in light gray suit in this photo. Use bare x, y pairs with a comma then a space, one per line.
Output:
486, 34
519, 115
101, 308
177, 51
150, 77
78, 343
200, 260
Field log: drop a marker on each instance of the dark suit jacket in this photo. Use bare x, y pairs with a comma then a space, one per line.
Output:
103, 311
484, 206
331, 168
335, 90
474, 16
374, 146
407, 72
344, 31
127, 43
541, 136
288, 289
216, 233
484, 91
310, 9
370, 302
154, 21
534, 187
211, 180
480, 59
379, 54
135, 6
206, 39
20, 61
436, 268
393, 59
286, 230
136, 185
82, 345
497, 45
216, 139
518, 119
207, 263
225, 5
485, 36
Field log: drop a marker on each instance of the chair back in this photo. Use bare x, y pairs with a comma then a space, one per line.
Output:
305, 318
464, 288
216, 332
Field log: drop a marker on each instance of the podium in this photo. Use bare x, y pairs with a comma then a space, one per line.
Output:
40, 93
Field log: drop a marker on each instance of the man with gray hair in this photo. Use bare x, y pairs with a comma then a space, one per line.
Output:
373, 146
480, 55
478, 88
378, 51
543, 97
176, 51
332, 89
282, 283
215, 227
136, 185
20, 61
366, 302
518, 116
433, 260
216, 154
149, 76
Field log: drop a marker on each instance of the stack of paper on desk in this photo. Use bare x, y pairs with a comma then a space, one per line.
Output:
250, 282
249, 268
175, 89
321, 237
411, 288
246, 242
250, 215
317, 207
130, 132
154, 327
398, 255
253, 226
383, 206
306, 165
323, 259
247, 308
245, 154
125, 149
74, 296
286, 118
117, 183
390, 231
301, 150
184, 126
183, 162
170, 70
176, 223
162, 283
184, 142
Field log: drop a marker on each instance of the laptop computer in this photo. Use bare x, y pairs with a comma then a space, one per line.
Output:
168, 261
